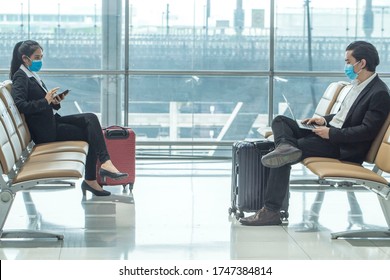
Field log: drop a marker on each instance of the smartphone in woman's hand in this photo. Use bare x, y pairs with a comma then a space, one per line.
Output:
62, 94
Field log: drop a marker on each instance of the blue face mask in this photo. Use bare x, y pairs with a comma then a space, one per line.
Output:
35, 66
349, 72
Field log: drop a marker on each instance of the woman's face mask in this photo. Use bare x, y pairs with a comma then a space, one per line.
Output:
349, 72
35, 66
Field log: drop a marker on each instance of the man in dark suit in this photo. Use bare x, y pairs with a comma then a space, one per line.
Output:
346, 135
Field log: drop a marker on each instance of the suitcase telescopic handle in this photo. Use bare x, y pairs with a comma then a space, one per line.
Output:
116, 132
260, 150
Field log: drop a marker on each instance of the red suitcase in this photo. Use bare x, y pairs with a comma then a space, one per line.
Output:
120, 143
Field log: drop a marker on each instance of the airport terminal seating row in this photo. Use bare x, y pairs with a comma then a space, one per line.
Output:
28, 167
338, 173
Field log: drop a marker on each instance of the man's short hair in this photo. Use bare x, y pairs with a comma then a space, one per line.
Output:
364, 50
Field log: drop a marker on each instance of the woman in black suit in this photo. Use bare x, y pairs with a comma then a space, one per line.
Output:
40, 105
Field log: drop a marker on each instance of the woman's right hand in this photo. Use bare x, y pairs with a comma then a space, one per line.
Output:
50, 95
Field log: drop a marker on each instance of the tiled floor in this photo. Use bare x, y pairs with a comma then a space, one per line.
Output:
179, 210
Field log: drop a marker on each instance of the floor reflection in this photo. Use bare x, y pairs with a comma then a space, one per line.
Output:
186, 217
311, 216
110, 222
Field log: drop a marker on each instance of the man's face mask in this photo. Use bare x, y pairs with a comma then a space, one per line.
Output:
35, 66
349, 72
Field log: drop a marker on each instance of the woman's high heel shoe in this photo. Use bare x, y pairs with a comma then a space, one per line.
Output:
116, 176
85, 187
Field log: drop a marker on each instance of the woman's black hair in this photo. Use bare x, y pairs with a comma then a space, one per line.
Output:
364, 50
26, 48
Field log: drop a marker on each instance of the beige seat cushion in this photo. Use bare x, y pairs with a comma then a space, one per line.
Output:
47, 170
60, 156
309, 160
329, 98
62, 146
344, 170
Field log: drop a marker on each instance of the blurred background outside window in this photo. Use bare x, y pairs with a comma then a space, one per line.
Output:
193, 70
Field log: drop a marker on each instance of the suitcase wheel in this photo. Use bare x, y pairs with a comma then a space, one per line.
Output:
240, 215
232, 210
284, 215
131, 186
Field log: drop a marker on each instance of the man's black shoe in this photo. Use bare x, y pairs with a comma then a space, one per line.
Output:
263, 217
282, 155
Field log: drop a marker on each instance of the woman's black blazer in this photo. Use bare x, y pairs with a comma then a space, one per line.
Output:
30, 99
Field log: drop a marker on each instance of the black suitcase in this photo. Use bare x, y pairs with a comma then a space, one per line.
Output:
249, 178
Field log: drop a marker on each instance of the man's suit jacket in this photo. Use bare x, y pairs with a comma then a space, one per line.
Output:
30, 99
363, 122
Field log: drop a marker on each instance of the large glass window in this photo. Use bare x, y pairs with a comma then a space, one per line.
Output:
198, 70
312, 35
199, 35
69, 31
197, 108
